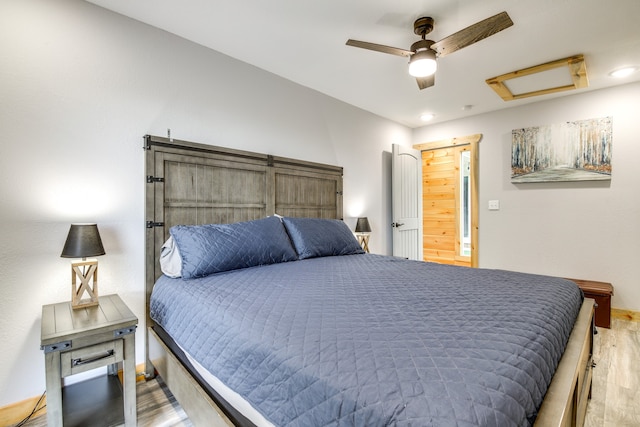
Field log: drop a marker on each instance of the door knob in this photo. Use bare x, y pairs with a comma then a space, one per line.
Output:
397, 224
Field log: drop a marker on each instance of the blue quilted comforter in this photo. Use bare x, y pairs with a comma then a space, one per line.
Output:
368, 340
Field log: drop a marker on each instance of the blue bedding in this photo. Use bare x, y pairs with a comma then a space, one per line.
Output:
369, 340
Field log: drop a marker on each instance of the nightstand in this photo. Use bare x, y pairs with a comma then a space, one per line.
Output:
76, 341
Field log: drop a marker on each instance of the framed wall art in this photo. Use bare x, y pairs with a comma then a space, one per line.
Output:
570, 151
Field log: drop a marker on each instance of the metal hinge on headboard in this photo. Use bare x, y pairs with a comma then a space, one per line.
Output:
151, 224
151, 179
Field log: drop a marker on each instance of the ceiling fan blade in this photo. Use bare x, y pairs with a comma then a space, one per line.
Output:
379, 48
425, 82
472, 34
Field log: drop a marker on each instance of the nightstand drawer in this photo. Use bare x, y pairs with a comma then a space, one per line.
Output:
87, 358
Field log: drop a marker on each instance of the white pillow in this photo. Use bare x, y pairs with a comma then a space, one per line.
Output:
170, 259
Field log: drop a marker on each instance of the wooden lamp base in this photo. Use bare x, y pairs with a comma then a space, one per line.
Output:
88, 277
363, 239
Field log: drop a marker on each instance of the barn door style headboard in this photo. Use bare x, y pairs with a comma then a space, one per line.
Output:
191, 183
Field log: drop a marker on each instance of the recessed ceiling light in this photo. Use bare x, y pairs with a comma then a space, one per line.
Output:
426, 117
623, 72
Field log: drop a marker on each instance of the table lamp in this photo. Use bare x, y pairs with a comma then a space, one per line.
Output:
362, 232
83, 241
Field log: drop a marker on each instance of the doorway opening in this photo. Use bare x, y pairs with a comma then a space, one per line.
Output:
450, 200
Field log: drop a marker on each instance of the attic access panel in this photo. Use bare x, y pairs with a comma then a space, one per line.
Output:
542, 79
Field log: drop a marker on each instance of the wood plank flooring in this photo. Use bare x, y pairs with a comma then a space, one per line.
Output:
156, 408
615, 399
614, 402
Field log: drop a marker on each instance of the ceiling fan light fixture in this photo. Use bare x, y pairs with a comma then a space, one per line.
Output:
422, 55
423, 63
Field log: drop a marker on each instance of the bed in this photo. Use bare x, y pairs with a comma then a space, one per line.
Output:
317, 333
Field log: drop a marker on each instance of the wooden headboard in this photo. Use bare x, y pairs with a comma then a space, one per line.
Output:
192, 183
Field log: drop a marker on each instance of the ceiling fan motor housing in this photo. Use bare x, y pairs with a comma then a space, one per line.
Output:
421, 45
423, 26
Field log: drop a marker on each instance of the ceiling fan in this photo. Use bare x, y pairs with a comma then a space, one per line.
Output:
422, 55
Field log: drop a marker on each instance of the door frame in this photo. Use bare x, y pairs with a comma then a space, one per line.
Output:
473, 141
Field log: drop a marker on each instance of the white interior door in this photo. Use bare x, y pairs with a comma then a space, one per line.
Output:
406, 189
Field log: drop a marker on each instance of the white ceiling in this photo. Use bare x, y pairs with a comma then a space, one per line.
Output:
304, 41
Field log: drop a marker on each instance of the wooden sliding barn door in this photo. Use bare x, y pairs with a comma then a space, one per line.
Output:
450, 233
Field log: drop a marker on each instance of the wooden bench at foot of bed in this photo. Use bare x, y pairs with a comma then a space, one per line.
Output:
601, 292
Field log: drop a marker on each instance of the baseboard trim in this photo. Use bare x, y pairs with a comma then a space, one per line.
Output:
618, 313
13, 413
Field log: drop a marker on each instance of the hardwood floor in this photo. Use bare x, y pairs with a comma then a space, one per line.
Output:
616, 377
156, 408
614, 400
159, 408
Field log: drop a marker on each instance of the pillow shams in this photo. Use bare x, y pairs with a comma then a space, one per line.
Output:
213, 248
170, 261
316, 237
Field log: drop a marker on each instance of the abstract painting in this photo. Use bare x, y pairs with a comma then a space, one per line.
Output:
570, 151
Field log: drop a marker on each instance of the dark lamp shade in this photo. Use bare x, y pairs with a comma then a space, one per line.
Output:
83, 241
362, 226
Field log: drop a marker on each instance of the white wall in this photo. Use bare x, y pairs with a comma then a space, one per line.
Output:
79, 87
586, 230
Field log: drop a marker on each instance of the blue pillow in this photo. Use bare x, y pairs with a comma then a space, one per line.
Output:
213, 248
316, 237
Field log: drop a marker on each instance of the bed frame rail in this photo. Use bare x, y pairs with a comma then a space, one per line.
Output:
199, 406
565, 403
